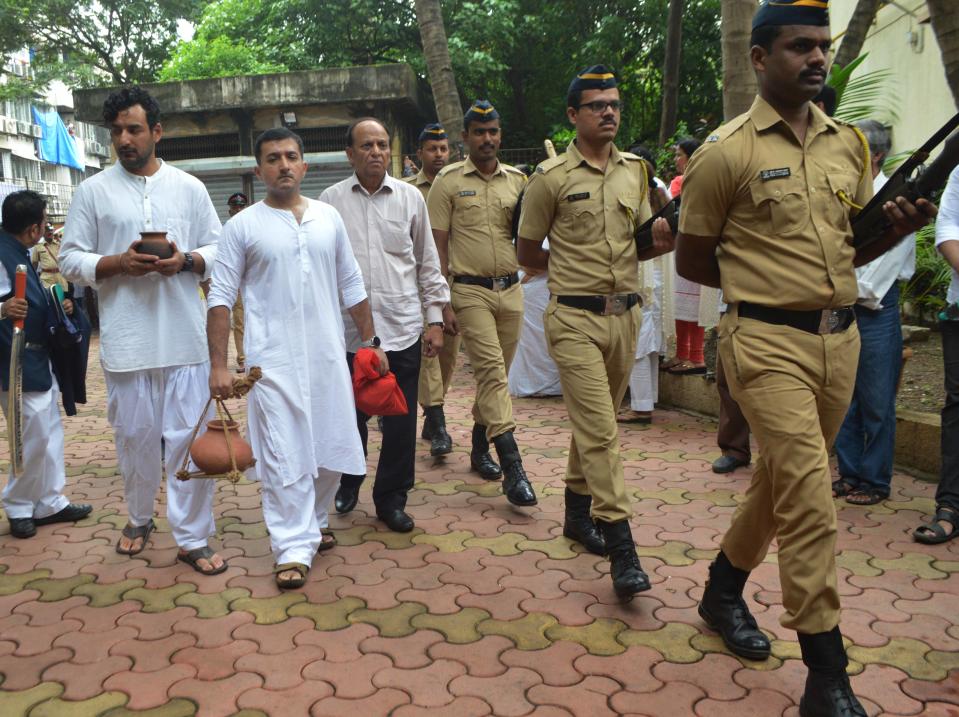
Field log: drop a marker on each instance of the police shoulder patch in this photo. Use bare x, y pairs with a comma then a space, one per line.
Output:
713, 138
551, 163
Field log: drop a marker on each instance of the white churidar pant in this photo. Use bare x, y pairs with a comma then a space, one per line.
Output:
153, 413
38, 492
644, 383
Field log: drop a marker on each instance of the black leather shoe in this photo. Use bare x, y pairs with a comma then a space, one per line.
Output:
519, 491
427, 433
624, 567
480, 459
22, 527
347, 496
397, 520
828, 692
579, 526
724, 610
73, 512
440, 442
727, 464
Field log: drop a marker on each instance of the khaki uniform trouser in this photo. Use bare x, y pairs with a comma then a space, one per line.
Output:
490, 322
437, 372
594, 355
237, 323
794, 389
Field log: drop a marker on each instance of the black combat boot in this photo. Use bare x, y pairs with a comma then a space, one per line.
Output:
516, 485
440, 441
828, 692
624, 568
579, 526
725, 611
427, 433
480, 459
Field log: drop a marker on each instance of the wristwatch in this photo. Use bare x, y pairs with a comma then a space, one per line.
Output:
371, 343
187, 263
436, 323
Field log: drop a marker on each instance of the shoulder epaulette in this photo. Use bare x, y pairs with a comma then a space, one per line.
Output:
551, 163
450, 168
410, 180
511, 168
630, 156
728, 129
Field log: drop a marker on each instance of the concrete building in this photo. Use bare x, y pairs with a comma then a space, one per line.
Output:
901, 40
209, 126
20, 164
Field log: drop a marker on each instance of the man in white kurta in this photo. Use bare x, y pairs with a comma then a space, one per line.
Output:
152, 325
293, 266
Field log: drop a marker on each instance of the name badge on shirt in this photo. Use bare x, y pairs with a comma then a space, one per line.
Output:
467, 193
577, 197
768, 174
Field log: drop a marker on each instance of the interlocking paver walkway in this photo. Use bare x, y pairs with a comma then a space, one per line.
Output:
483, 609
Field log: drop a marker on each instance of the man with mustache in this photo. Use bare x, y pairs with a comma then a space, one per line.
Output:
589, 201
767, 203
471, 208
152, 327
435, 371
389, 231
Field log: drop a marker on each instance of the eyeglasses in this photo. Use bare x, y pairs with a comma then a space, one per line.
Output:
599, 106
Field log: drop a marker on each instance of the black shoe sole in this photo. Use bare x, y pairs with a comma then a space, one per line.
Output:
626, 596
756, 655
444, 451
518, 504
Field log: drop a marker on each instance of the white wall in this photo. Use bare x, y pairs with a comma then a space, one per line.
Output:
900, 42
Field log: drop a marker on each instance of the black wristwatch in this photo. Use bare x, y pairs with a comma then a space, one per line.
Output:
371, 343
187, 262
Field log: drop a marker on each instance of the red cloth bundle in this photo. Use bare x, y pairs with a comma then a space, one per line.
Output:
376, 395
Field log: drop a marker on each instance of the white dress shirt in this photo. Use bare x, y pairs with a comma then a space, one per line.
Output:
150, 321
947, 226
899, 263
293, 278
393, 243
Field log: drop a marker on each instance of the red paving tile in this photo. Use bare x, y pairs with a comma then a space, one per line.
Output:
458, 618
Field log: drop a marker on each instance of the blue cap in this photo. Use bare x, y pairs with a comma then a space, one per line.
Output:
432, 131
792, 12
480, 111
597, 77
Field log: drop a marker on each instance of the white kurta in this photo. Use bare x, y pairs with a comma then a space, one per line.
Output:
533, 371
292, 277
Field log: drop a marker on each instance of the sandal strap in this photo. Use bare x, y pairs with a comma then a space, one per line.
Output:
948, 514
204, 553
138, 531
298, 567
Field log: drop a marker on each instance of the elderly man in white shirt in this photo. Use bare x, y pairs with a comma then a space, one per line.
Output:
290, 258
867, 439
390, 232
152, 326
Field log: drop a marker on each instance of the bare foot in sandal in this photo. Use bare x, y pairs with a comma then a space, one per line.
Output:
133, 539
203, 560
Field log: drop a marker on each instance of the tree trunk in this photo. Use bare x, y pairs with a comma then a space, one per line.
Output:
945, 23
674, 37
739, 80
856, 31
436, 50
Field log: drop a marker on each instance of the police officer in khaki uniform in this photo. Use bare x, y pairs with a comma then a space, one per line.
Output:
767, 203
589, 201
471, 209
436, 371
45, 258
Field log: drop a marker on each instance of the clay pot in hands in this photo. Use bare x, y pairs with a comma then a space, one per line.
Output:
155, 243
210, 451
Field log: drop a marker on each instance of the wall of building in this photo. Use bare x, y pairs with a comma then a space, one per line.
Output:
902, 40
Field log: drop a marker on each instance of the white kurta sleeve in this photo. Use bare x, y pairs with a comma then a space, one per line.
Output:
78, 254
434, 291
208, 229
349, 279
228, 267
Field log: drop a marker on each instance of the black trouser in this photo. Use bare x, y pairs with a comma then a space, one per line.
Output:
948, 491
394, 471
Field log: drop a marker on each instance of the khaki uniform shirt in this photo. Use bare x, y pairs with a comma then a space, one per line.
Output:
478, 214
785, 238
590, 216
420, 182
46, 257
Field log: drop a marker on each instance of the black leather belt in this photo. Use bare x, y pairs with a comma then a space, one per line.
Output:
611, 305
819, 321
493, 283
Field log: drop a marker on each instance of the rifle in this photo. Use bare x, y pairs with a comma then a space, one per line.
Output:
644, 232
15, 387
911, 181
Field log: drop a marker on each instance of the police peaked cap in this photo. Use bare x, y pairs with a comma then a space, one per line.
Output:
432, 131
238, 200
597, 77
480, 111
792, 12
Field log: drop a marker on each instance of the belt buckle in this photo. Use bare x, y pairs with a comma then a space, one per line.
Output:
500, 283
829, 321
615, 305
